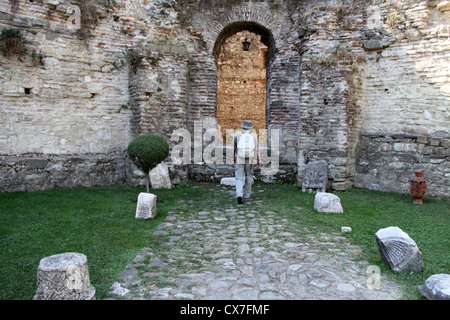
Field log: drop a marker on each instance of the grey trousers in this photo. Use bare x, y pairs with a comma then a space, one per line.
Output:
244, 180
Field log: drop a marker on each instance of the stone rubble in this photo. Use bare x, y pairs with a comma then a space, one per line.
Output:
398, 250
328, 203
436, 287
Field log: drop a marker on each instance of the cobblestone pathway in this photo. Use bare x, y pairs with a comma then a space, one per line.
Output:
243, 254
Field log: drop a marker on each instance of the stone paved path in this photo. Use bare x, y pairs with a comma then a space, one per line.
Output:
243, 254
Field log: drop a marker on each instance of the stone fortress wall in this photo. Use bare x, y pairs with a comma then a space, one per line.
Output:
362, 84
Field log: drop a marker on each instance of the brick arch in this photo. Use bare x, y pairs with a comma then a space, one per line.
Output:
259, 16
235, 27
241, 76
283, 70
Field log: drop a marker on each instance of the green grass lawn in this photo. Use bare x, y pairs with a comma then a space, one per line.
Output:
367, 211
99, 222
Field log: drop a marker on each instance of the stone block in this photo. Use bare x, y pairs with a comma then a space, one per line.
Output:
315, 176
64, 277
159, 177
445, 143
439, 151
428, 150
405, 147
444, 6
327, 203
146, 206
422, 139
436, 287
374, 44
36, 163
398, 250
420, 148
53, 2
435, 142
228, 181
437, 159
346, 229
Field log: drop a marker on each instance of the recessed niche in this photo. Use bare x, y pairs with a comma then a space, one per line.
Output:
241, 88
27, 90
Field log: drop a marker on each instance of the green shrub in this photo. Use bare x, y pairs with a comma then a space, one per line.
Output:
147, 151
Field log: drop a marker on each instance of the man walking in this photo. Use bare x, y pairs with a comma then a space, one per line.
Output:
246, 149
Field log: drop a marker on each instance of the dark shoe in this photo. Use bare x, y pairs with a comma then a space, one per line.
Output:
239, 200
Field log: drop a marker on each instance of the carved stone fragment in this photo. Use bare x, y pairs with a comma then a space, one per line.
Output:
64, 277
146, 206
398, 250
315, 177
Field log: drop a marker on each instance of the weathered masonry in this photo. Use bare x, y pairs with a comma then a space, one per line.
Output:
361, 84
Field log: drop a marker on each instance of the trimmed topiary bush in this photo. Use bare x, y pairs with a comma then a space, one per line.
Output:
147, 151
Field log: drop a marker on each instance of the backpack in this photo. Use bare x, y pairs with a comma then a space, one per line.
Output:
246, 146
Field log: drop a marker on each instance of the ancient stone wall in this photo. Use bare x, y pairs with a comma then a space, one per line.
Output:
382, 159
374, 68
61, 99
31, 172
347, 82
405, 96
331, 53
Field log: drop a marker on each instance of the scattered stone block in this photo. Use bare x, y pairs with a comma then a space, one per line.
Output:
436, 287
346, 229
228, 182
315, 177
398, 250
117, 289
64, 277
146, 206
327, 203
159, 177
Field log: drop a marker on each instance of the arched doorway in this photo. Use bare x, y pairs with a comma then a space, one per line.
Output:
242, 53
